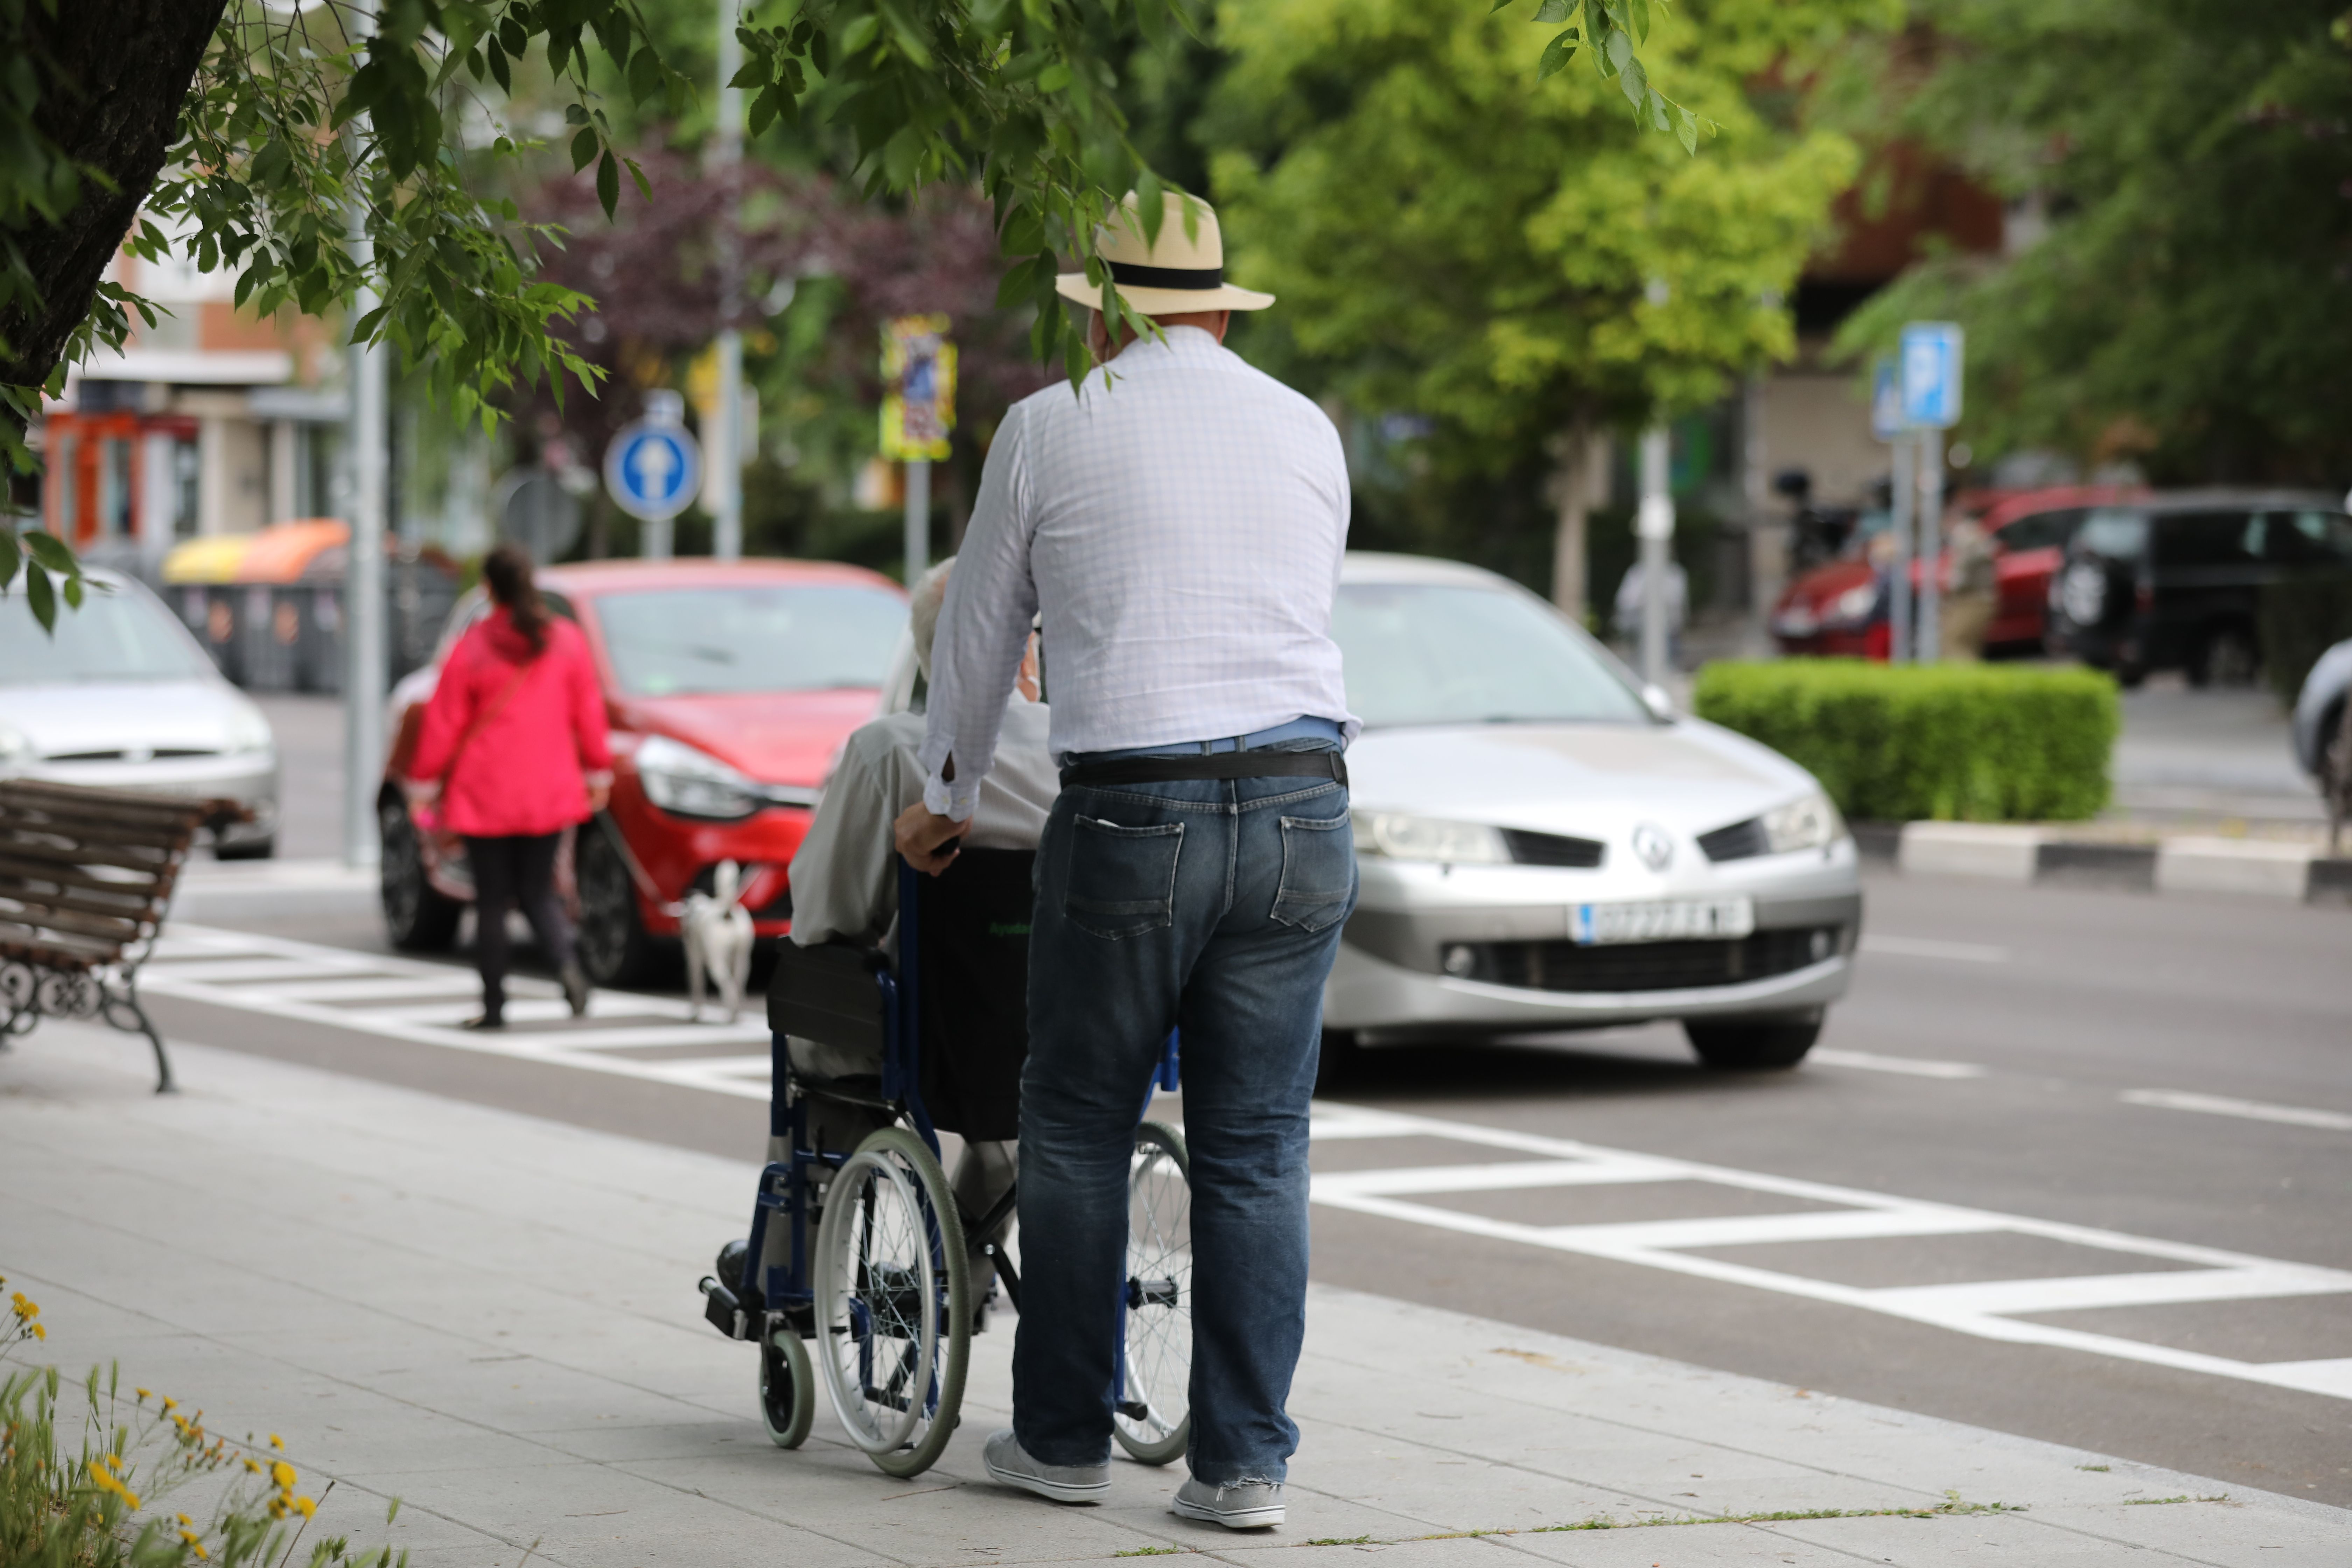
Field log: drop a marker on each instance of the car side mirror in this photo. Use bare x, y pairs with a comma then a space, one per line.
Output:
1655, 699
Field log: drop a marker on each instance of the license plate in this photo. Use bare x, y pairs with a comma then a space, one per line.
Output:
1661, 919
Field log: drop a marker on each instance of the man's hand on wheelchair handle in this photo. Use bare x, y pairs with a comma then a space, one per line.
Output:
927, 839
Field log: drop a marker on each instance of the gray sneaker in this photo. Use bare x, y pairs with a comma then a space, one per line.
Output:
1010, 1463
1244, 1505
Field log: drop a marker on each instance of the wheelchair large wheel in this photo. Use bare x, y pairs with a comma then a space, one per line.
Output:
1154, 1419
894, 1304
787, 1387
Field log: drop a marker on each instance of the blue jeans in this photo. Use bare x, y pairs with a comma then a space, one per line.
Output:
1214, 906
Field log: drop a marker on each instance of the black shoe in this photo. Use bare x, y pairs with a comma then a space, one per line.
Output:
487, 1021
575, 989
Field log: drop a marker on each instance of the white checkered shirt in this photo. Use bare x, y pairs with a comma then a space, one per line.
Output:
1181, 529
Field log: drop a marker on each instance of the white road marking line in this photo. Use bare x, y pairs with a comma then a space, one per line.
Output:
2253, 1110
1928, 947
392, 988
1912, 1066
1964, 1309
670, 1035
529, 1010
297, 963
1498, 1178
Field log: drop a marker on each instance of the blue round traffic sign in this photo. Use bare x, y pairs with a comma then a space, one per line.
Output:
653, 469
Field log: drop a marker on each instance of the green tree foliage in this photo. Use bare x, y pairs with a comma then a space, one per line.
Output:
293, 119
2192, 299
1459, 228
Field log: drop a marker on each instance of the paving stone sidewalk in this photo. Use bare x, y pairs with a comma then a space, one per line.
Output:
493, 1318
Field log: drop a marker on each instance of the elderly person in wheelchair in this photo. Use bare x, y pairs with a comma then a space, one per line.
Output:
845, 888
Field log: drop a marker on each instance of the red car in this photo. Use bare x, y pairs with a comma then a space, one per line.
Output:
729, 687
1841, 608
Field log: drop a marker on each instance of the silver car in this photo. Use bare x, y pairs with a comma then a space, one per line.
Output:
1545, 846
121, 697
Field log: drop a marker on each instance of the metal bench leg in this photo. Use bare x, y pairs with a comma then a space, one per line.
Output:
127, 1004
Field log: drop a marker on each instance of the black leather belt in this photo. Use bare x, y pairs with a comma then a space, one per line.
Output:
1208, 765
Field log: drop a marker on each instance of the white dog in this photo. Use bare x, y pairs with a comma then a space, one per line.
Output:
718, 932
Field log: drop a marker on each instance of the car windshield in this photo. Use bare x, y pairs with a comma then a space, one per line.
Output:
755, 637
121, 635
1428, 653
2113, 534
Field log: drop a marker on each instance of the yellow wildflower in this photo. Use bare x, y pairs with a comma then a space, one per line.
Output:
170, 1404
307, 1506
40, 1333
283, 1474
190, 1537
275, 1443
145, 1395
181, 1516
254, 1464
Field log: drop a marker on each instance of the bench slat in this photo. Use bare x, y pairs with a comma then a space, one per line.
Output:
23, 890
56, 952
145, 886
131, 803
91, 828
103, 928
154, 862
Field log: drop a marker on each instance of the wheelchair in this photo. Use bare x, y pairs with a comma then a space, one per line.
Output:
855, 1273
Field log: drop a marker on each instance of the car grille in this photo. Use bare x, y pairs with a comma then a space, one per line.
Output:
1553, 848
1652, 966
1740, 841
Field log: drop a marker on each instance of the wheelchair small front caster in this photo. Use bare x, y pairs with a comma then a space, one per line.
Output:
787, 1386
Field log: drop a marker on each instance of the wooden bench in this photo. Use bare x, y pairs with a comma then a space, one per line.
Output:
85, 878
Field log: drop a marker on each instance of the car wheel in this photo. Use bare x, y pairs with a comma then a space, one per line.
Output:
419, 918
2225, 657
1753, 1045
612, 944
1341, 1062
246, 849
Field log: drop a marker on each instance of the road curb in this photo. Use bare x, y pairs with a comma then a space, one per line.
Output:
2185, 863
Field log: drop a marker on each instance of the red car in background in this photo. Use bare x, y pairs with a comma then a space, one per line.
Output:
1842, 608
729, 687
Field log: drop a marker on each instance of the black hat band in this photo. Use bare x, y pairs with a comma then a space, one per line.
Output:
1135, 275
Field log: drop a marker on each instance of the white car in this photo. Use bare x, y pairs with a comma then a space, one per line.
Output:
1545, 846
121, 696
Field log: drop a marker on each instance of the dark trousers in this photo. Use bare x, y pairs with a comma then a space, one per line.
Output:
507, 871
1215, 905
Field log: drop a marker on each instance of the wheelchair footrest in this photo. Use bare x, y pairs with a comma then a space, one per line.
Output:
1134, 1409
724, 1313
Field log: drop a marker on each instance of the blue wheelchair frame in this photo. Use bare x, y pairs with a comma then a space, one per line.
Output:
787, 1289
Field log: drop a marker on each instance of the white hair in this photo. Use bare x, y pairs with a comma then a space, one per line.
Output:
923, 611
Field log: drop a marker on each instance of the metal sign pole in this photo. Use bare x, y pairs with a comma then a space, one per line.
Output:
1655, 526
365, 682
1931, 545
919, 518
1901, 494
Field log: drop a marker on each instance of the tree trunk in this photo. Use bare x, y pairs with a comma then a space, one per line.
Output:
113, 74
1578, 485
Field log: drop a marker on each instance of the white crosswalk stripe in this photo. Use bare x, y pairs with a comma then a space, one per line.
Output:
1989, 1308
409, 999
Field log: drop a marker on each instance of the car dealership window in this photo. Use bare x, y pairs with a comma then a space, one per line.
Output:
1441, 654
751, 637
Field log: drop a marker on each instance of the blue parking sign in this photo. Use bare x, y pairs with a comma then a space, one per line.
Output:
654, 467
1930, 375
1886, 402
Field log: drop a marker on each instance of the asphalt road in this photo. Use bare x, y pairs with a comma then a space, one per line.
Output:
1983, 1060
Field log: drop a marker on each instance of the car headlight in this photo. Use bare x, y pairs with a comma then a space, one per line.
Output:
2081, 593
1808, 822
1796, 621
1401, 837
1854, 606
247, 731
680, 779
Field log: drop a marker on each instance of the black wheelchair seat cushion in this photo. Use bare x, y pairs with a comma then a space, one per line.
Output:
974, 962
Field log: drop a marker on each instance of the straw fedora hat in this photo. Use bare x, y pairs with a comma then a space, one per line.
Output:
1182, 272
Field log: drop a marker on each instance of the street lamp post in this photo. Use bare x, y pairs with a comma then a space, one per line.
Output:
1655, 526
726, 441
364, 676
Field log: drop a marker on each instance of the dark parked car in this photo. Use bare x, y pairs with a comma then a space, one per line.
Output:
2173, 581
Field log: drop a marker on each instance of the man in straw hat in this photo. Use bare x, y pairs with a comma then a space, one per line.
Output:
1180, 523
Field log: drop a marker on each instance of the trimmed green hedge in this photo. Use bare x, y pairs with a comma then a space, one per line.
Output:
1974, 743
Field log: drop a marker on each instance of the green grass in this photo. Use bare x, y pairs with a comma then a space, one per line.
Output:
1950, 1508
2101, 1469
1341, 1540
2153, 1501
1150, 1551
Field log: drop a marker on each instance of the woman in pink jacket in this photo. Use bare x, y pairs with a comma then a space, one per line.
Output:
513, 746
